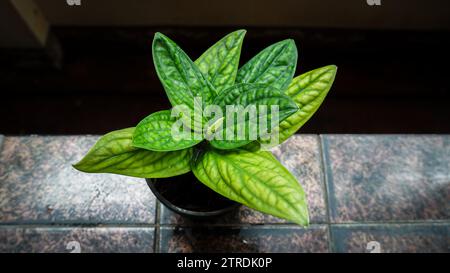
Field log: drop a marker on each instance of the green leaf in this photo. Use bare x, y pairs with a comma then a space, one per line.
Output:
275, 66
114, 153
155, 133
243, 95
308, 91
181, 78
220, 62
255, 179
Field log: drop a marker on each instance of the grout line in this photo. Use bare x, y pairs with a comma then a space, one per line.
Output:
158, 227
237, 225
328, 177
246, 226
157, 238
399, 222
73, 226
324, 177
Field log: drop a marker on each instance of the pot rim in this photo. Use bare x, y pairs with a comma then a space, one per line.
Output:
187, 212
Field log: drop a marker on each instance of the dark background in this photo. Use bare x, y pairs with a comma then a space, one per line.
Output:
93, 77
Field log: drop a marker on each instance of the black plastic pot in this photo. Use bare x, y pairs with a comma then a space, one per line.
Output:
187, 196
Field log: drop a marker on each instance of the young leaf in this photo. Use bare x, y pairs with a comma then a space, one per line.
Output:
255, 179
155, 133
308, 91
220, 62
253, 95
181, 78
275, 66
114, 153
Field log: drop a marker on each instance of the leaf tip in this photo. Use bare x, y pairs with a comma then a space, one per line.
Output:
283, 43
301, 218
290, 42
332, 67
333, 70
159, 35
302, 222
291, 46
78, 166
241, 31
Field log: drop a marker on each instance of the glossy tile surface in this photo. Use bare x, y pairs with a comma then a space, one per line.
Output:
39, 185
417, 238
244, 239
388, 178
66, 240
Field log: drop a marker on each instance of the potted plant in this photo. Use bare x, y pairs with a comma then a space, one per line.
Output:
202, 164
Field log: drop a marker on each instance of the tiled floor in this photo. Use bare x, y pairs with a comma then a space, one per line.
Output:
387, 193
420, 237
244, 239
388, 178
81, 239
39, 186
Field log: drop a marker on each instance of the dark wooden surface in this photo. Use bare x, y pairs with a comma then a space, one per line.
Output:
387, 82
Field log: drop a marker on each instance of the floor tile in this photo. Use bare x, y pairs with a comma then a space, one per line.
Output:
66, 240
244, 239
388, 177
39, 185
391, 238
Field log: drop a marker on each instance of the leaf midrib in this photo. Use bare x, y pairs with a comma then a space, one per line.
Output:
241, 170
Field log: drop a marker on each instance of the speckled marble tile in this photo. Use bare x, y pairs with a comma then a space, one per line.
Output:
65, 240
400, 238
244, 239
388, 177
300, 155
39, 185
